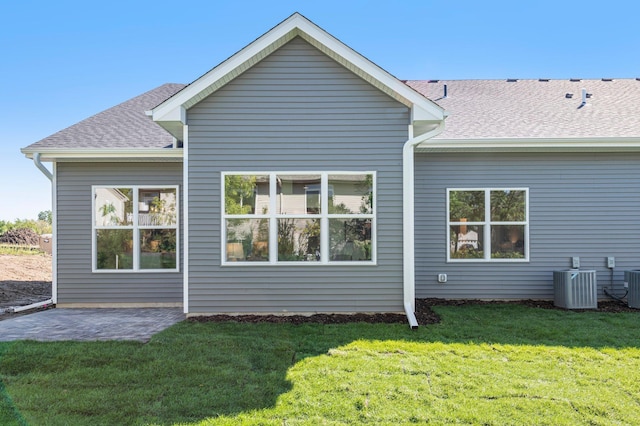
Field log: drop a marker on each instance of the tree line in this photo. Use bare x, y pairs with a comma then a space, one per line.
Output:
41, 225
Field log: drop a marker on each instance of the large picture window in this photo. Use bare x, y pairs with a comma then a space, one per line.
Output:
488, 224
135, 228
307, 217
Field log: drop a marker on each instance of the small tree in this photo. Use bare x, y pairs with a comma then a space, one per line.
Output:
239, 194
46, 216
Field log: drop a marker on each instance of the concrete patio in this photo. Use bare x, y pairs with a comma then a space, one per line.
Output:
137, 324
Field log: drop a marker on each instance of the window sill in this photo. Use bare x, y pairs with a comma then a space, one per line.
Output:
297, 264
488, 260
135, 271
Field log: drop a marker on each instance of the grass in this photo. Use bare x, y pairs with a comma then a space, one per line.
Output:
490, 364
19, 250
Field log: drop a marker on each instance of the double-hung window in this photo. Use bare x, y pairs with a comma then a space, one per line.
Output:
488, 224
135, 228
306, 217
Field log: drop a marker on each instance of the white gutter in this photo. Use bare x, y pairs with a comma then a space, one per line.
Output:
408, 249
597, 144
106, 154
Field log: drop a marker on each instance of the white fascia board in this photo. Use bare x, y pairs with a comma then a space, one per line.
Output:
599, 144
420, 114
105, 154
176, 115
296, 25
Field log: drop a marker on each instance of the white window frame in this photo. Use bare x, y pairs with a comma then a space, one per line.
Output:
135, 227
486, 225
324, 217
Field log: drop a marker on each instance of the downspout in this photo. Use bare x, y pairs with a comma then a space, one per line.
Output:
408, 236
49, 175
43, 169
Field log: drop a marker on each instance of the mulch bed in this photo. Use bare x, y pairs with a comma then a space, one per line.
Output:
424, 313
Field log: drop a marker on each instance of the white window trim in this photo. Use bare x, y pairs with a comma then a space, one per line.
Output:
324, 219
136, 231
486, 224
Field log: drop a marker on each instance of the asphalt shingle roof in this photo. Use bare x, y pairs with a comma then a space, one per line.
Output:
536, 108
477, 109
123, 126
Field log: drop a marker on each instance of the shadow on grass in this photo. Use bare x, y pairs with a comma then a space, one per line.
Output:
196, 371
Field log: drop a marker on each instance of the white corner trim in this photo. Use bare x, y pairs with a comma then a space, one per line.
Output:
54, 232
185, 219
408, 217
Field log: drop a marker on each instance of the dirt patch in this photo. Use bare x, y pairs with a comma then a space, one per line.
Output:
24, 280
424, 314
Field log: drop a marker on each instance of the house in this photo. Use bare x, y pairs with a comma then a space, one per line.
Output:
298, 177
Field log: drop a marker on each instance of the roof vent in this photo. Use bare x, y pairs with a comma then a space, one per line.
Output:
512, 80
445, 91
585, 95
433, 81
607, 79
575, 79
568, 95
543, 79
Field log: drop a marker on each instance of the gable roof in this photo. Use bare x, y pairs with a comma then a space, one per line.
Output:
124, 126
482, 114
536, 110
171, 114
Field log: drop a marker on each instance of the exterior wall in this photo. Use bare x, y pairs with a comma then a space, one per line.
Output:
580, 204
76, 283
296, 110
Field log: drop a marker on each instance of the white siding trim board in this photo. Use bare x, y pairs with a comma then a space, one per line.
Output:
54, 244
185, 219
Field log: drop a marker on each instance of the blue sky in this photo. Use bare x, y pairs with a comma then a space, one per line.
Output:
62, 61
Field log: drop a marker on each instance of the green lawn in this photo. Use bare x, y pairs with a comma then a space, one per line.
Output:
490, 364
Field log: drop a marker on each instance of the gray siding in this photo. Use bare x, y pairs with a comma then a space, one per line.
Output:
582, 205
295, 110
76, 282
